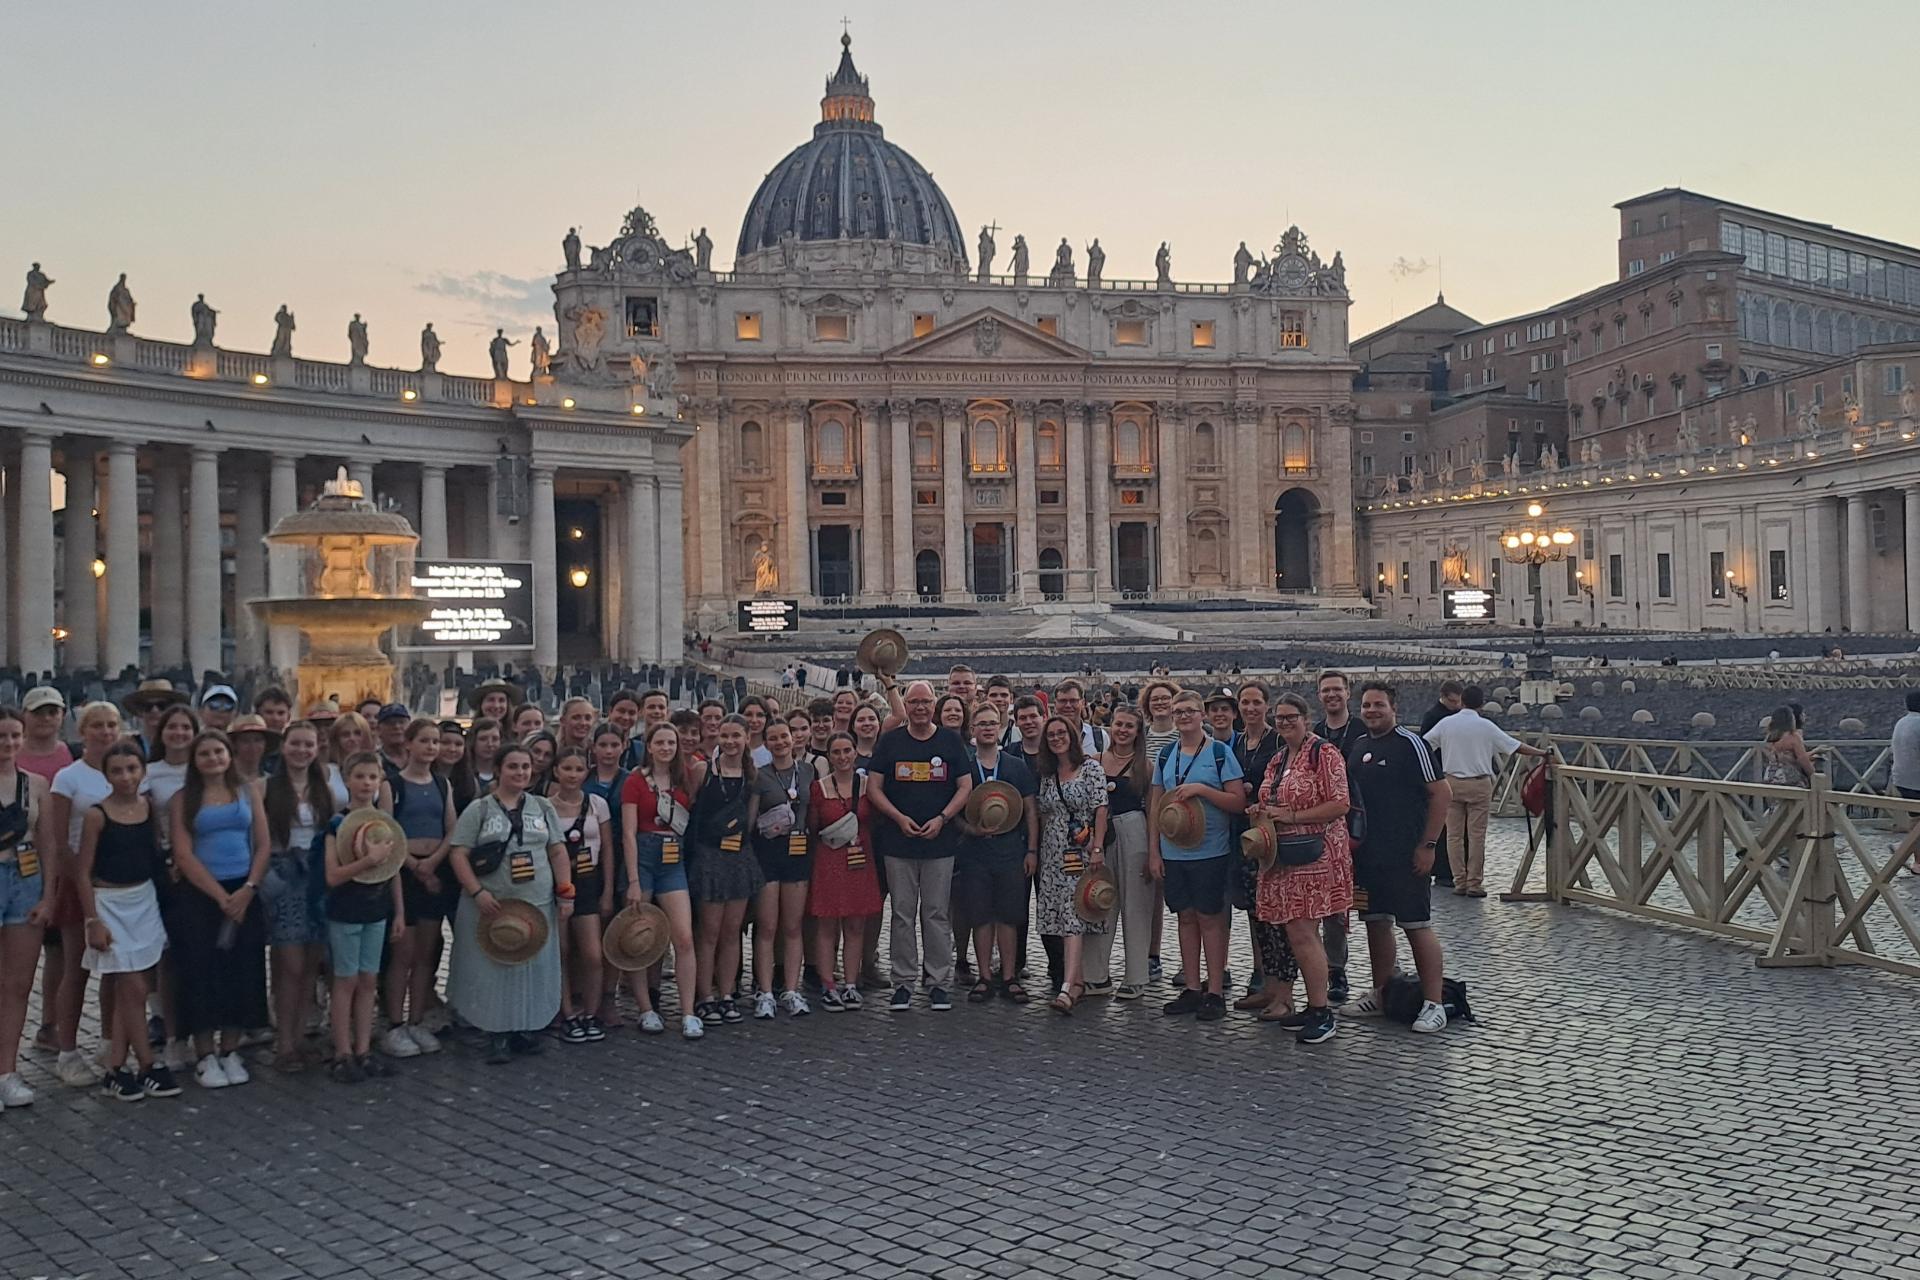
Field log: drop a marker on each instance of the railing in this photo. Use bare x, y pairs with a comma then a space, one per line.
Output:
315, 376
13, 335
168, 356
240, 367
387, 382
1803, 872
467, 390
78, 344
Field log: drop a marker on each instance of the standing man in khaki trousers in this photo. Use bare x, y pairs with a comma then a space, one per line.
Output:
1468, 743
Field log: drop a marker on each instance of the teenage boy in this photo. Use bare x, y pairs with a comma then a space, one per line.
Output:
1196, 767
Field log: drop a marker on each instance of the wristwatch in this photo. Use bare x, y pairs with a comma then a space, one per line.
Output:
1430, 844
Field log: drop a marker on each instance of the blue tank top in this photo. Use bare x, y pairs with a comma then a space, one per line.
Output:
421, 812
223, 838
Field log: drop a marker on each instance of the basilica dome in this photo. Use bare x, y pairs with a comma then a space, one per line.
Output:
849, 183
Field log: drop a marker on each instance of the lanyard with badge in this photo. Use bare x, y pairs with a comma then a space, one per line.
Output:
672, 818
519, 859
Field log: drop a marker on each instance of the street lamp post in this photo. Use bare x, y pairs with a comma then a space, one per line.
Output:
1534, 546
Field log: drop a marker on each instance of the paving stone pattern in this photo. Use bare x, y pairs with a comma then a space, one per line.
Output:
1637, 1102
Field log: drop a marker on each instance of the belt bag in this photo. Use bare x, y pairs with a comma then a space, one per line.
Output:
485, 859
1300, 851
841, 832
776, 821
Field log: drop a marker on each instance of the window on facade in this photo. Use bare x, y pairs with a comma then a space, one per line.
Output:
1433, 577
1730, 237
1819, 393
1753, 243
1366, 464
986, 446
1130, 333
1203, 333
1713, 350
753, 446
1857, 272
926, 449
1293, 328
1295, 455
1846, 384
1133, 497
1616, 578
1126, 444
926, 497
1817, 263
1776, 254
1717, 574
1635, 225
1206, 447
832, 328
833, 498
1573, 575
1493, 575
1406, 576
1673, 313
1635, 267
1051, 325
643, 318
1047, 445
1776, 575
1896, 379
830, 446
1797, 259
746, 326
1663, 575
1620, 333
922, 324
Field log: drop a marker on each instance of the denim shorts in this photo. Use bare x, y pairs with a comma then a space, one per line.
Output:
356, 948
18, 896
657, 877
291, 919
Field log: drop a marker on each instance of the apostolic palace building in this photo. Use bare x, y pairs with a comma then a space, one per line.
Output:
878, 407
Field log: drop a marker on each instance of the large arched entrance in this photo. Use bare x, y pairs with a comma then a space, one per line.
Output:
1293, 517
1053, 583
926, 575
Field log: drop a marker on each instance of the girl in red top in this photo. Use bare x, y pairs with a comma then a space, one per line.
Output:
655, 803
844, 892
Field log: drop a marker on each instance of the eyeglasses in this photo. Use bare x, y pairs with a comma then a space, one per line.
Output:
1186, 711
1295, 718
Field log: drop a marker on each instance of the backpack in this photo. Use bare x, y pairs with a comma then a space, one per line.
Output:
1402, 999
1219, 757
1356, 807
1533, 790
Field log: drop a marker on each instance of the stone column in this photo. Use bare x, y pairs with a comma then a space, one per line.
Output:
123, 558
953, 497
9, 573
1026, 503
283, 564
873, 505
646, 559
81, 544
35, 562
433, 512
204, 649
1331, 453
1245, 465
168, 591
710, 575
1074, 439
361, 472
1102, 498
544, 551
1859, 561
1912, 526
796, 575
900, 437
672, 585
1173, 498
249, 570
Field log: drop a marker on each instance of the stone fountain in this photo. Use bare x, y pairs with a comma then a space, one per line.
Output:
353, 564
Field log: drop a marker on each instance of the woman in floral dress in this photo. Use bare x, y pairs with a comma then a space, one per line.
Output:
1073, 837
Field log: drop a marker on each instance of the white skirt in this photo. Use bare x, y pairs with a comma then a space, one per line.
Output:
132, 918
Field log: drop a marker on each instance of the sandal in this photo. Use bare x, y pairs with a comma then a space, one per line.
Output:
1013, 992
981, 992
1068, 997
1277, 1011
292, 1062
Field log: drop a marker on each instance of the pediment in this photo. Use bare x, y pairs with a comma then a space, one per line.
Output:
989, 334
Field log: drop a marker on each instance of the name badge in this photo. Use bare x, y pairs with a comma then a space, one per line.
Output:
1072, 863
583, 863
520, 867
797, 844
27, 859
669, 852
856, 857
729, 844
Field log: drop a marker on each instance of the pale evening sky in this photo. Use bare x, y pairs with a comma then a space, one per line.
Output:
420, 161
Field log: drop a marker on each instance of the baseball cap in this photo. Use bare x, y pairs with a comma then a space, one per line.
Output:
392, 711
218, 691
1222, 694
44, 696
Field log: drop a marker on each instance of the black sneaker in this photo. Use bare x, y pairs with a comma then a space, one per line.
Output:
574, 1032
1213, 1007
902, 1000
1337, 988
1179, 980
730, 1011
594, 1029
158, 1082
123, 1086
1318, 1027
1184, 1003
937, 1000
499, 1053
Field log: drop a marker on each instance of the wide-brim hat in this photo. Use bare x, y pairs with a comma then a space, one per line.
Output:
995, 807
254, 724
1183, 822
153, 693
324, 711
637, 937
348, 841
515, 934
1097, 896
882, 652
1259, 843
514, 695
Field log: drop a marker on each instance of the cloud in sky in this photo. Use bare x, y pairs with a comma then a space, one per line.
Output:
494, 293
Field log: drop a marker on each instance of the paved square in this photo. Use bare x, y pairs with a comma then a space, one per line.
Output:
1637, 1102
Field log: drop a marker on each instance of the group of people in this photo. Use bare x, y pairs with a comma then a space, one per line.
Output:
237, 879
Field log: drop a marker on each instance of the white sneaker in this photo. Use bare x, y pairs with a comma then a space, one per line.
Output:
795, 1004
1432, 1018
236, 1070
423, 1039
398, 1044
210, 1074
692, 1028
74, 1069
14, 1091
652, 1023
763, 1005
1367, 1006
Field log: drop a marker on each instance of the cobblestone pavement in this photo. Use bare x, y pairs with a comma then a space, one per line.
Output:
1637, 1101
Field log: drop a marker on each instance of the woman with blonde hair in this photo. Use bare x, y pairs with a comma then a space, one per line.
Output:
76, 789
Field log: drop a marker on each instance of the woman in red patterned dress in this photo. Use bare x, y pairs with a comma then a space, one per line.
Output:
1304, 795
844, 892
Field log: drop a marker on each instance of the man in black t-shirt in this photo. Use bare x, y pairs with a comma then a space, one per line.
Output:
1406, 797
917, 781
1451, 693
